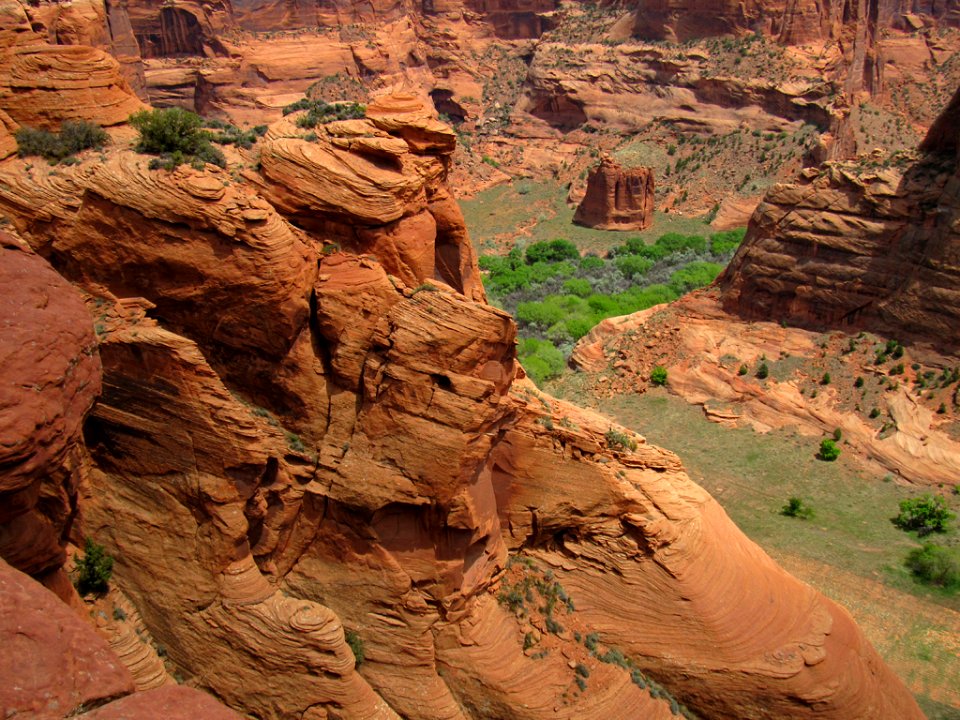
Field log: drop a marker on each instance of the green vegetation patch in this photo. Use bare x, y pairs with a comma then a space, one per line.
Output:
557, 296
74, 137
176, 136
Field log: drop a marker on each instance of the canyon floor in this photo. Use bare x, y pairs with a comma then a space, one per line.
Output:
849, 551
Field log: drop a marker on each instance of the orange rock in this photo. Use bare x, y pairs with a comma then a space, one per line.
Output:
853, 248
54, 663
79, 83
51, 377
617, 198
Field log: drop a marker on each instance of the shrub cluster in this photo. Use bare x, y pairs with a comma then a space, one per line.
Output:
320, 112
177, 136
925, 514
828, 450
74, 136
93, 569
935, 565
796, 508
557, 296
232, 135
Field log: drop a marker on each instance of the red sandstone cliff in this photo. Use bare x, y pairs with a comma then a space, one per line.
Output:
298, 445
854, 246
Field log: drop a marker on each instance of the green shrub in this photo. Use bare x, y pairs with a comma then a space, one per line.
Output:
722, 243
552, 251
177, 135
925, 514
693, 276
356, 646
579, 287
858, 383
93, 569
659, 375
74, 136
743, 370
828, 450
825, 380
633, 265
617, 440
796, 509
935, 565
763, 371
541, 359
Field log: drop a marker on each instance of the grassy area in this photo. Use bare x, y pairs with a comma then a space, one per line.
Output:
850, 550
528, 212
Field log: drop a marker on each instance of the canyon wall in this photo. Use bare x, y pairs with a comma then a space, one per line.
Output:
859, 246
327, 486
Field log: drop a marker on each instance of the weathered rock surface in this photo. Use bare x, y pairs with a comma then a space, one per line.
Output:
55, 666
188, 241
695, 339
299, 457
617, 198
376, 185
79, 83
54, 663
50, 379
853, 247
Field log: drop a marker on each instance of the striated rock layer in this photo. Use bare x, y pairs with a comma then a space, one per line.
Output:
617, 198
304, 456
850, 247
55, 666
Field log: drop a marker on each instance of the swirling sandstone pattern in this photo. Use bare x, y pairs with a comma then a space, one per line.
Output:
853, 248
296, 447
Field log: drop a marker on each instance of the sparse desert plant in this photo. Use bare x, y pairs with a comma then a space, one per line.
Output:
617, 440
828, 450
925, 514
935, 565
743, 370
93, 569
74, 136
658, 376
356, 646
763, 371
795, 508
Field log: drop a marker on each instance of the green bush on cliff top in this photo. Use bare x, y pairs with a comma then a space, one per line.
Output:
74, 136
177, 135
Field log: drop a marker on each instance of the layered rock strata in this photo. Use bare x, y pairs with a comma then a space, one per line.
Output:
848, 246
56, 666
305, 456
617, 198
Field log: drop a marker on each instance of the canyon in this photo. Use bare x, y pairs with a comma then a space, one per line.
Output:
275, 393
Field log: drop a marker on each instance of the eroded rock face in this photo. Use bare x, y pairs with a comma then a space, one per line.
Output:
848, 247
80, 83
56, 666
300, 452
50, 379
617, 198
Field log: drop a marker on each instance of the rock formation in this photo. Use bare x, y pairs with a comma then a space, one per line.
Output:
617, 198
51, 377
56, 666
304, 456
853, 246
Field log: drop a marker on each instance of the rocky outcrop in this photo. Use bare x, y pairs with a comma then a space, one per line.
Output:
627, 86
304, 457
617, 198
853, 246
80, 83
56, 666
376, 185
50, 379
